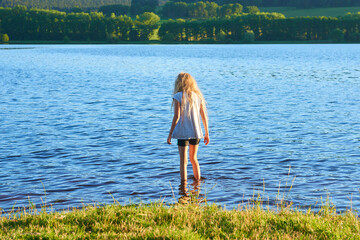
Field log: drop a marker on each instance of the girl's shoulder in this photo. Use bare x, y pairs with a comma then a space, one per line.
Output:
177, 96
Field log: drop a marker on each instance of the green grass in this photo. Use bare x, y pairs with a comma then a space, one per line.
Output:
180, 221
328, 12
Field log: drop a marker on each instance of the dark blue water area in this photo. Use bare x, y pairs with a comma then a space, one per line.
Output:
88, 123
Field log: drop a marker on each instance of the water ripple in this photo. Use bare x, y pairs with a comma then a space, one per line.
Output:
82, 124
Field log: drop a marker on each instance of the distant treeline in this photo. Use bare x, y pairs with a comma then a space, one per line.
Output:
63, 4
34, 25
96, 4
19, 23
264, 27
179, 9
287, 3
137, 7
203, 10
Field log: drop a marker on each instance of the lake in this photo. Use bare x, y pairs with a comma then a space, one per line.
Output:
88, 123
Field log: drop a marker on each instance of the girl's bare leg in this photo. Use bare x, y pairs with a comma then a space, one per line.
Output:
183, 162
194, 162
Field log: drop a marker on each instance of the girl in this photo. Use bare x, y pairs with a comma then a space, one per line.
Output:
189, 105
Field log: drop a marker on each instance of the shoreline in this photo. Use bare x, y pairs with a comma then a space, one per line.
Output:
189, 220
157, 42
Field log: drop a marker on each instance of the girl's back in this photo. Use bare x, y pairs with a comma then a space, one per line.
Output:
189, 126
189, 107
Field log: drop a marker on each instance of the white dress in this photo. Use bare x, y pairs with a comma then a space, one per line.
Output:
188, 126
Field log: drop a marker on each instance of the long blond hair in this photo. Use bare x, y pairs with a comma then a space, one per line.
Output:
186, 84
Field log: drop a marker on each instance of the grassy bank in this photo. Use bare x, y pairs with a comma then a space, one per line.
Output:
180, 221
311, 12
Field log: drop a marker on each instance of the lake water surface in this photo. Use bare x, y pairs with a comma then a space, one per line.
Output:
83, 121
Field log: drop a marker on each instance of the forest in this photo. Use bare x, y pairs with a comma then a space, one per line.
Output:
288, 3
201, 10
263, 27
22, 24
51, 25
91, 5
65, 5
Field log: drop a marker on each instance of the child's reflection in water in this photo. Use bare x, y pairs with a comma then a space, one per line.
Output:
191, 192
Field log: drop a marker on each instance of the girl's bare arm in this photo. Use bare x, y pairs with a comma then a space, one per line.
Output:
204, 119
175, 119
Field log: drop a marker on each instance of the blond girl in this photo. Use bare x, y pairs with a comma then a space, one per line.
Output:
189, 106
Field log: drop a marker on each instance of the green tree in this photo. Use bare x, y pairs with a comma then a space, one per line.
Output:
96, 27
5, 38
252, 9
148, 18
337, 35
168, 37
118, 9
211, 8
145, 25
249, 37
197, 10
221, 36
119, 26
76, 9
141, 6
237, 9
79, 26
354, 37
112, 38
226, 10
166, 31
66, 39
175, 10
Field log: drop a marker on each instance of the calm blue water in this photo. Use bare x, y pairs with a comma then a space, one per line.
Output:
83, 121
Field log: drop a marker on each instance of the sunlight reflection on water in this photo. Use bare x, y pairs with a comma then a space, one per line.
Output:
86, 120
